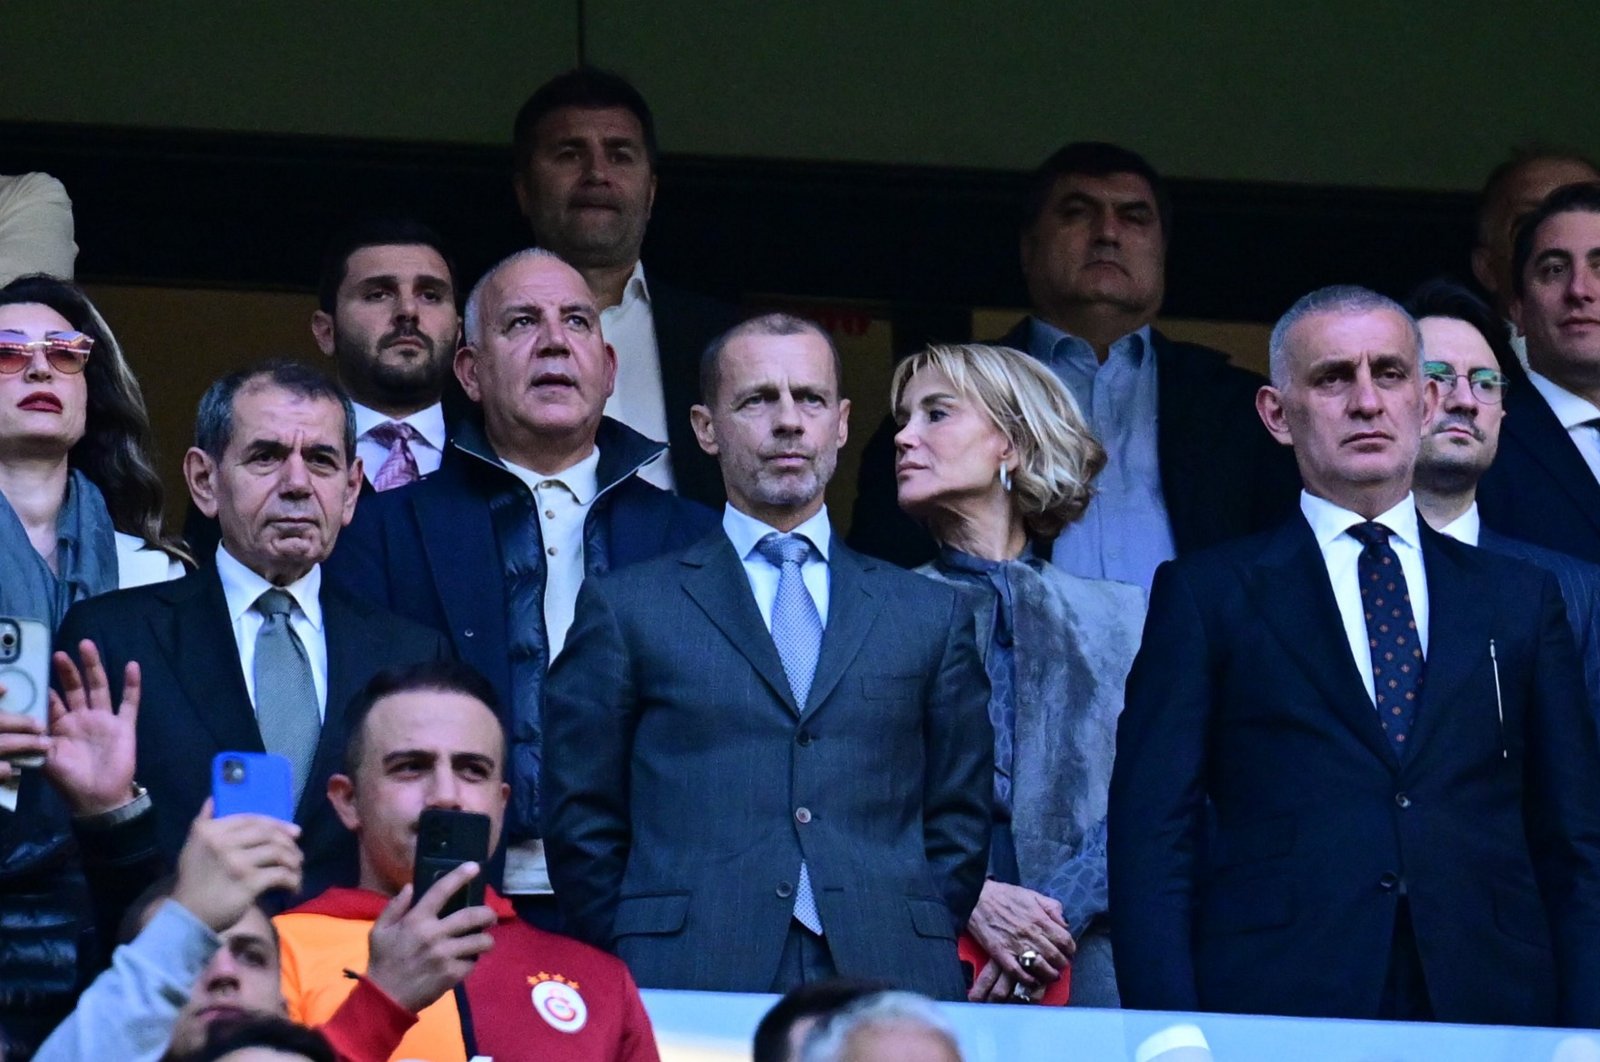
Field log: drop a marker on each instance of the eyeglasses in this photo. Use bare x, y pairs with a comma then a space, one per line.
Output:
67, 352
1487, 384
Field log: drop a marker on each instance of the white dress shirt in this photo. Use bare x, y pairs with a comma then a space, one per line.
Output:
745, 532
640, 399
1341, 552
241, 587
1577, 415
563, 501
1465, 527
428, 450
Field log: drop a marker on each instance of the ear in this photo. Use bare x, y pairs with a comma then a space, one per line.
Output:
342, 795
1269, 407
200, 473
1432, 398
611, 369
1516, 308
650, 203
322, 331
705, 432
844, 421
466, 367
352, 493
1482, 268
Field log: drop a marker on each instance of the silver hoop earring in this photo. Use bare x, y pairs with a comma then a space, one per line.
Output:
1005, 479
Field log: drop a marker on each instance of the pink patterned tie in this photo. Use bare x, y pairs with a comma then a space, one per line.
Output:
400, 467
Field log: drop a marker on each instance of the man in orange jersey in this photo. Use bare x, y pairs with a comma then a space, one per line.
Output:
424, 737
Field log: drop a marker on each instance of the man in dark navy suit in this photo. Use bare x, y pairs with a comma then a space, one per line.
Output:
1355, 775
537, 491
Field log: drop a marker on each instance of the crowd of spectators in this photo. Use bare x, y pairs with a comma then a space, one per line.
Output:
1144, 681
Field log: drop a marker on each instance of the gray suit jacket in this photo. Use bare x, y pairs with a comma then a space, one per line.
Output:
683, 785
1075, 640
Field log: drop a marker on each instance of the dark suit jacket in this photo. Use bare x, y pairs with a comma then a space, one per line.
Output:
1222, 475
1245, 695
685, 325
1580, 591
195, 704
1539, 488
684, 786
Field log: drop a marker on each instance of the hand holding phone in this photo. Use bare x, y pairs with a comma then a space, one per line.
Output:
445, 840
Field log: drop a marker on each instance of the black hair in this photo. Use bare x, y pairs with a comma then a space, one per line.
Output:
1093, 158
1520, 158
375, 232
213, 422
278, 1034
815, 1000
582, 86
1442, 297
767, 324
1583, 197
441, 676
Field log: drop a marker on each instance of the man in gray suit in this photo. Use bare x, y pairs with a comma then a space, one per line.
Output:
769, 757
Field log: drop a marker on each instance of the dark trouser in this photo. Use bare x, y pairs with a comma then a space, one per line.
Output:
1405, 990
806, 960
538, 909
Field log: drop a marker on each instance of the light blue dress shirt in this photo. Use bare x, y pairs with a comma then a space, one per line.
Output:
1125, 534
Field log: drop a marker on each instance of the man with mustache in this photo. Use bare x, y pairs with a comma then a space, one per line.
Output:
1465, 344
1355, 774
1188, 464
585, 178
538, 490
769, 756
1544, 485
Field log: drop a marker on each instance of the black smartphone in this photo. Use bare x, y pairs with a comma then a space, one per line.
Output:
445, 840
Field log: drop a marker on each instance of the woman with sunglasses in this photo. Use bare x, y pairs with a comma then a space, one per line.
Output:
80, 501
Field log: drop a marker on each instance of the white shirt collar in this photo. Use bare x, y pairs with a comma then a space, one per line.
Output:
581, 479
744, 531
241, 587
1328, 521
635, 289
1571, 410
429, 423
1465, 528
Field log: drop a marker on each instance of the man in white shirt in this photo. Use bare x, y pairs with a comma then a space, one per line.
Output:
770, 759
1355, 773
1544, 487
255, 652
538, 489
387, 317
585, 179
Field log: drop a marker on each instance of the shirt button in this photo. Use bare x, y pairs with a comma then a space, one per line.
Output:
551, 551
1401, 800
549, 514
802, 815
784, 890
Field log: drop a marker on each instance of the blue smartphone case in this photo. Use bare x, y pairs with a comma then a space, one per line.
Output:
255, 783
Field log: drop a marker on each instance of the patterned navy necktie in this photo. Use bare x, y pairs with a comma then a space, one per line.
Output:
1391, 633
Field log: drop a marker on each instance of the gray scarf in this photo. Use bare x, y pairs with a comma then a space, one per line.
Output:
86, 557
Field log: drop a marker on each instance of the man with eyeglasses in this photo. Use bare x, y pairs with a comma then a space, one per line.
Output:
1464, 341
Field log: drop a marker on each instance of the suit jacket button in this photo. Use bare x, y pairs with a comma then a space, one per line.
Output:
1401, 800
802, 815
785, 890
468, 633
1388, 881
803, 738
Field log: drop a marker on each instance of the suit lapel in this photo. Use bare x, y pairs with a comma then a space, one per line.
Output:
1289, 586
1534, 426
461, 552
852, 606
715, 580
206, 660
353, 649
1458, 624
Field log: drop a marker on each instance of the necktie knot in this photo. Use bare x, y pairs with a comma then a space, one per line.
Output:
780, 550
275, 603
392, 431
1371, 534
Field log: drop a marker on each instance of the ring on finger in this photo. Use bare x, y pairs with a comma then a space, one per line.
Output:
1020, 994
1028, 960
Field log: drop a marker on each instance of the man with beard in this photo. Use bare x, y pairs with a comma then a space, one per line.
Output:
387, 317
537, 491
1465, 346
769, 756
585, 146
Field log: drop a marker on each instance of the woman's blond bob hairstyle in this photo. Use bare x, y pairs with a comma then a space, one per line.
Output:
1057, 457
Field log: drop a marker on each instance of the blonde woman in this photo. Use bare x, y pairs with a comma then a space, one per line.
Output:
993, 456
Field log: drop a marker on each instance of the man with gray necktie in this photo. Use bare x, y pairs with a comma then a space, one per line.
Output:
767, 755
253, 652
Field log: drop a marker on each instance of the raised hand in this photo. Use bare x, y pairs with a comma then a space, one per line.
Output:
227, 863
90, 757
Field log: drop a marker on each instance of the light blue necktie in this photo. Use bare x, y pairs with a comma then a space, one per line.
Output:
797, 633
287, 712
